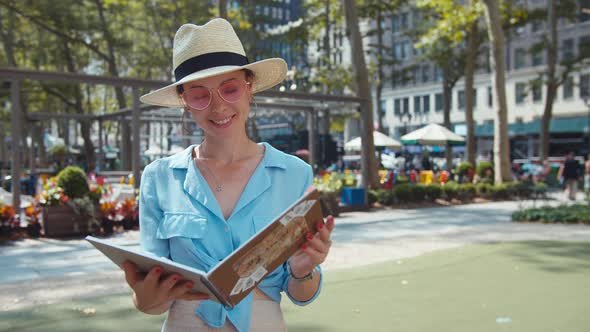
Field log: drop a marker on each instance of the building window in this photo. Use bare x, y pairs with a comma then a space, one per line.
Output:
425, 73
404, 21
397, 51
437, 74
519, 93
537, 92
585, 85
397, 108
490, 97
461, 99
417, 104
537, 26
519, 58
383, 106
567, 49
395, 24
406, 50
537, 58
568, 88
406, 103
438, 102
584, 45
426, 103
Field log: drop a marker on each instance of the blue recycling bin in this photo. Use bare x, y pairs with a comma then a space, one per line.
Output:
352, 196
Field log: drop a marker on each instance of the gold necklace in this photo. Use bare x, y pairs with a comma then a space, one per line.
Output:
217, 183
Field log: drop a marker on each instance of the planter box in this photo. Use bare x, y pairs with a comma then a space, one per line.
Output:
62, 221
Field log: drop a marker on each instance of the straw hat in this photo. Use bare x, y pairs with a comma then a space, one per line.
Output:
212, 49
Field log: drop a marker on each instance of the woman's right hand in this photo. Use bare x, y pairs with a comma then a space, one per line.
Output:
153, 292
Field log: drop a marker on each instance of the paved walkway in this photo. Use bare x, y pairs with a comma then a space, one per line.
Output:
44, 271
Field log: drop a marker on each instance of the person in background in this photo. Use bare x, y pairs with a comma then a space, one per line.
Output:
569, 172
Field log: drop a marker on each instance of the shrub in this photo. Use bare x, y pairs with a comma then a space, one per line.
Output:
384, 197
372, 196
418, 193
500, 191
466, 191
577, 213
402, 179
403, 192
482, 168
483, 189
463, 168
433, 191
73, 181
450, 190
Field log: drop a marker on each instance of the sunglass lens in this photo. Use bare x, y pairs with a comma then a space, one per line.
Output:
197, 98
232, 91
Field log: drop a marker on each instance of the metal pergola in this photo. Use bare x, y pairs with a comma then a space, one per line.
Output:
309, 103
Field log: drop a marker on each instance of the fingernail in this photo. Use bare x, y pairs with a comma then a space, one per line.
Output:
175, 278
304, 246
331, 218
310, 236
189, 285
158, 270
320, 226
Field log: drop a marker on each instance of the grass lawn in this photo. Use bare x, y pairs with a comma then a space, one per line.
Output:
525, 286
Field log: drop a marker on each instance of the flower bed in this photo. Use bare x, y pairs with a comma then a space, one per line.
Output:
571, 214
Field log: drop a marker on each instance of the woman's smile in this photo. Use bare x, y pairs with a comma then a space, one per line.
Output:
223, 123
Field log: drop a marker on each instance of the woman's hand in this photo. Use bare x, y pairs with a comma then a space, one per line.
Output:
152, 291
314, 251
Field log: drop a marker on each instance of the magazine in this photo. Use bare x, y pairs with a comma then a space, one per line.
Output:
239, 273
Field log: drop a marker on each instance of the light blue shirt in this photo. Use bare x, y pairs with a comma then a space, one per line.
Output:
181, 219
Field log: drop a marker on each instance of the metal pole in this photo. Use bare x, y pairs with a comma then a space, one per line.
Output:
365, 157
311, 134
100, 147
16, 148
135, 144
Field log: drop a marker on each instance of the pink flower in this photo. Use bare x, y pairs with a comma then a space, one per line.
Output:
64, 198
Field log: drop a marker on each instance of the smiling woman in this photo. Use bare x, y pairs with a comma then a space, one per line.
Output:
199, 205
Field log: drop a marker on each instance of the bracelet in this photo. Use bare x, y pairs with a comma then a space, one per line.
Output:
306, 277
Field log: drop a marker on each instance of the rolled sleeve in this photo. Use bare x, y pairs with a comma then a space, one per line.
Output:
319, 274
150, 216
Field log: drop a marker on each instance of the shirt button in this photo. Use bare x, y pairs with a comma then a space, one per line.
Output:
227, 228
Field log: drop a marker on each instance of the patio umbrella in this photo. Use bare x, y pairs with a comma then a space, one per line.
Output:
379, 140
433, 134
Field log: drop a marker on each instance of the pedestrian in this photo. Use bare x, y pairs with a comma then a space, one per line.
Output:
569, 173
197, 206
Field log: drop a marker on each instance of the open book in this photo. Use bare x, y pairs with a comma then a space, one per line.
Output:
239, 273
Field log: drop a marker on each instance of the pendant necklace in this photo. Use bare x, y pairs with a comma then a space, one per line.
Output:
217, 183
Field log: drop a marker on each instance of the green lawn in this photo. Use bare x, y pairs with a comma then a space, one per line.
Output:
527, 286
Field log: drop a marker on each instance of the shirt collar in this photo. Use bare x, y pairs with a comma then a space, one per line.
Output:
272, 157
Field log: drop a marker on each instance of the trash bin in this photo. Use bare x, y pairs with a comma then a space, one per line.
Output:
352, 196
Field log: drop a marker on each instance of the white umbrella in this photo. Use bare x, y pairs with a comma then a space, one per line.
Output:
379, 140
433, 134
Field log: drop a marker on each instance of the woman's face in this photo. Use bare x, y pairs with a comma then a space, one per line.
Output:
221, 118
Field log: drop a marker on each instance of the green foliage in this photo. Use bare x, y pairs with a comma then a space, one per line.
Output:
463, 168
484, 189
451, 190
73, 181
418, 193
466, 191
401, 179
578, 213
482, 168
372, 196
384, 197
403, 193
433, 192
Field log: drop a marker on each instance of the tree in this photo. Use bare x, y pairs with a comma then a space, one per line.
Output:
501, 143
362, 80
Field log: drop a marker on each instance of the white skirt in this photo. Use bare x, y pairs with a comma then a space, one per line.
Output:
266, 317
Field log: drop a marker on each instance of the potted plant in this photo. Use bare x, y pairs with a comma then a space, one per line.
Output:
108, 218
32, 214
68, 206
129, 213
8, 223
329, 185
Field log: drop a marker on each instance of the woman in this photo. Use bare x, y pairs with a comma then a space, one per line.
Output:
197, 206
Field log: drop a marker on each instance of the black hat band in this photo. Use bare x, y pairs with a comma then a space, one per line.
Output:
209, 60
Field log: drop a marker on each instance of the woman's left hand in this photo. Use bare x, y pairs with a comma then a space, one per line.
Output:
313, 252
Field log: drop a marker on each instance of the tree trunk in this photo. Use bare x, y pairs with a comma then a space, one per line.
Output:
469, 73
223, 9
551, 82
379, 85
501, 143
362, 80
447, 95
